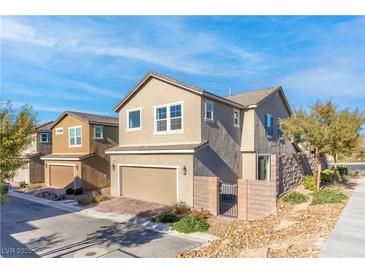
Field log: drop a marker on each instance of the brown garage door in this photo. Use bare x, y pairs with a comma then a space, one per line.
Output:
149, 184
61, 176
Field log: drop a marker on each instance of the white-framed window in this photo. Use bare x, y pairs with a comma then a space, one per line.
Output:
169, 118
236, 118
74, 136
44, 138
98, 132
134, 119
268, 125
59, 130
209, 111
263, 167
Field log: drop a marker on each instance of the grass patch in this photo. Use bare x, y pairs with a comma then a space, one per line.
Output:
166, 217
328, 196
189, 224
295, 197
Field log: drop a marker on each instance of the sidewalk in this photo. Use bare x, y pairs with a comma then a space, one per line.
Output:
348, 237
71, 206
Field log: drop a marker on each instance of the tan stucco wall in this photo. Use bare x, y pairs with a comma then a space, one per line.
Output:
154, 93
180, 160
248, 132
274, 106
49, 162
60, 142
249, 166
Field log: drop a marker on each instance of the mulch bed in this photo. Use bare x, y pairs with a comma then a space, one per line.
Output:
294, 231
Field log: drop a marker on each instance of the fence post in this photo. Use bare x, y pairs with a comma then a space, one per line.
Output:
213, 186
242, 199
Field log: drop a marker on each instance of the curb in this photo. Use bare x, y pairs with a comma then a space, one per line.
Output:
70, 206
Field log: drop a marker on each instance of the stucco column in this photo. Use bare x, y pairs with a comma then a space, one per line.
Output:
242, 199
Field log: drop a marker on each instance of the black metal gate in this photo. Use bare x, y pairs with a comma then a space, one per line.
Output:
228, 199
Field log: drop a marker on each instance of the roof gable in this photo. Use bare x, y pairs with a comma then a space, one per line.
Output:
174, 82
88, 118
257, 97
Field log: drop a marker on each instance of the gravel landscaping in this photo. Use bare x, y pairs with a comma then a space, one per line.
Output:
296, 230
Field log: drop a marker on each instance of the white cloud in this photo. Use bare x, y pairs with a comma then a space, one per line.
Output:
182, 54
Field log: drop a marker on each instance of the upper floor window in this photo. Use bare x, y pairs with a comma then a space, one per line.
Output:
263, 167
280, 129
44, 138
98, 132
169, 118
268, 125
236, 118
209, 111
59, 130
134, 119
74, 136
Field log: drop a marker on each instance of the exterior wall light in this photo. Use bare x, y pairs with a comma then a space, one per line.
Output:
184, 170
113, 166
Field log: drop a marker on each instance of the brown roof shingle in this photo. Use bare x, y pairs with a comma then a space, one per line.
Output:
252, 97
46, 126
90, 118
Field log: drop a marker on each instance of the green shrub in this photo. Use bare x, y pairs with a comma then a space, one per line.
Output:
328, 196
295, 198
4, 188
166, 217
181, 208
189, 224
327, 175
343, 171
308, 182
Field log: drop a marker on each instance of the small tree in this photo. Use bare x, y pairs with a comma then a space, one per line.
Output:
15, 136
324, 130
344, 134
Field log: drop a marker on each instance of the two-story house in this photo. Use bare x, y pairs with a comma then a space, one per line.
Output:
41, 144
78, 156
170, 132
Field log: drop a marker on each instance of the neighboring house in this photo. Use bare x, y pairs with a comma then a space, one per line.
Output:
33, 169
78, 153
171, 133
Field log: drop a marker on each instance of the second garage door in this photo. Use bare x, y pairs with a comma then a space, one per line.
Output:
149, 184
61, 176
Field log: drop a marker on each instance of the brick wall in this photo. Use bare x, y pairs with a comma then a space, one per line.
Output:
256, 199
206, 193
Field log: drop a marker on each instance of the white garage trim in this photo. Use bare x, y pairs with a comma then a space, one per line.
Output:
60, 164
155, 166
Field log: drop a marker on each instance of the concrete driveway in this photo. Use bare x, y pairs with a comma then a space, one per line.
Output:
30, 229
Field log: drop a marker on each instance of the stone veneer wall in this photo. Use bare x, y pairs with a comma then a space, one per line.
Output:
256, 199
206, 194
289, 169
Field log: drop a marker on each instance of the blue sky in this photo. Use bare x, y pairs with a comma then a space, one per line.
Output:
89, 63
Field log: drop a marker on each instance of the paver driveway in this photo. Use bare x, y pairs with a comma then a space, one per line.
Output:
29, 229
